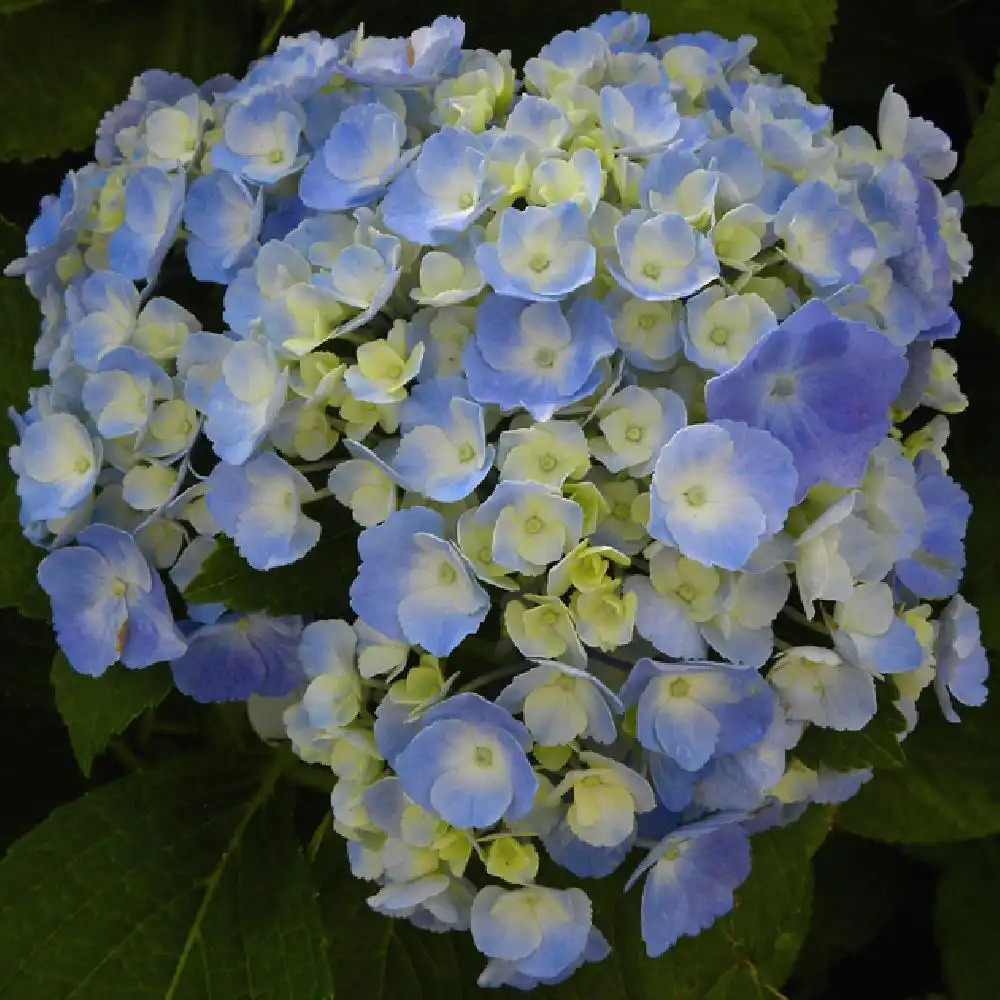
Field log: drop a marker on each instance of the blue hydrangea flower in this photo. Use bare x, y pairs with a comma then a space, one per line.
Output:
537, 123
468, 763
579, 56
259, 505
648, 333
676, 182
622, 30
541, 253
240, 655
442, 453
694, 711
56, 464
962, 667
119, 396
52, 234
670, 604
415, 586
719, 489
580, 179
720, 329
934, 568
661, 256
904, 207
639, 118
693, 872
606, 797
741, 631
560, 704
635, 423
299, 65
533, 525
154, 201
223, 217
743, 780
901, 136
869, 633
534, 934
260, 138
244, 401
103, 316
824, 240
438, 902
568, 851
819, 384
442, 192
361, 155
787, 130
817, 685
535, 356
107, 604
415, 61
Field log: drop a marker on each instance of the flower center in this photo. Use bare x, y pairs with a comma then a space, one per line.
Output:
621, 511
81, 465
686, 592
276, 155
652, 270
483, 757
647, 321
696, 496
466, 452
446, 573
545, 357
679, 688
465, 200
539, 262
547, 463
533, 525
783, 386
634, 433
719, 336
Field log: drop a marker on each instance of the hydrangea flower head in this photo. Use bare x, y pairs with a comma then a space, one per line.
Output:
625, 352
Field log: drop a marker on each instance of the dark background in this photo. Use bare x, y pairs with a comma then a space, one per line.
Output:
874, 928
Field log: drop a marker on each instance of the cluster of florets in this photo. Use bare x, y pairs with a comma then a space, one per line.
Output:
628, 370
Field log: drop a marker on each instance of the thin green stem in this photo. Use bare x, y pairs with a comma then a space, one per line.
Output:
492, 675
316, 840
800, 619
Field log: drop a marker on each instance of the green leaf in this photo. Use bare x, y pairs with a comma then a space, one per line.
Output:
63, 65
20, 322
874, 746
857, 886
979, 177
316, 584
949, 788
967, 919
95, 709
181, 883
792, 35
12, 6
